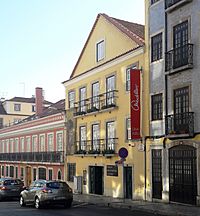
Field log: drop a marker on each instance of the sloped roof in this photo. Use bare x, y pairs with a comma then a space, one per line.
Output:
27, 100
51, 110
2, 110
133, 30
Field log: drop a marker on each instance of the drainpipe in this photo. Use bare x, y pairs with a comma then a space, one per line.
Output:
166, 76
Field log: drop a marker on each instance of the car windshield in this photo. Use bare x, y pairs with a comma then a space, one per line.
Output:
56, 185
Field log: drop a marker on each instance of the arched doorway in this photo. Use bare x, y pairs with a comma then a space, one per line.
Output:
59, 175
182, 174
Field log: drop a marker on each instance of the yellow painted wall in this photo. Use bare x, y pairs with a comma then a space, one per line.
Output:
115, 41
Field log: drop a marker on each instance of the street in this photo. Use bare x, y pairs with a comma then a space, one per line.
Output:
12, 208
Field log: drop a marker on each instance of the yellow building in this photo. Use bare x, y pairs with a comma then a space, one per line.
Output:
98, 112
15, 109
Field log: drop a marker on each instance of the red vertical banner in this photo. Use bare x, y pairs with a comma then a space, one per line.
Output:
135, 103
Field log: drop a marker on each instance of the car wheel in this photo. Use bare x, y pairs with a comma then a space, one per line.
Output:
21, 201
37, 203
68, 204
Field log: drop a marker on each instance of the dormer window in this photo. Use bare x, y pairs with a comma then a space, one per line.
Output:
17, 107
100, 50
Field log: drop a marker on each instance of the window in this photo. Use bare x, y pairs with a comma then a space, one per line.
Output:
82, 136
157, 107
16, 145
17, 107
156, 47
16, 172
2, 170
154, 1
71, 99
110, 135
50, 174
33, 108
7, 171
128, 129
11, 171
42, 143
7, 146
34, 143
22, 173
28, 144
95, 137
50, 142
22, 144
59, 175
71, 171
82, 99
95, 95
100, 50
42, 173
59, 141
34, 174
110, 87
128, 77
180, 43
11, 145
1, 123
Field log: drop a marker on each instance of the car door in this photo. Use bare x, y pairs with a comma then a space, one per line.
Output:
31, 192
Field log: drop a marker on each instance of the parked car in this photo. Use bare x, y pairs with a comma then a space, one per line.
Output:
10, 187
43, 192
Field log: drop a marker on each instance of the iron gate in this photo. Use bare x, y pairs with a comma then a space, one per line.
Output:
182, 174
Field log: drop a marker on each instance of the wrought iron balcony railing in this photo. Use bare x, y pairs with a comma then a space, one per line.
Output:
51, 157
182, 123
178, 57
96, 146
170, 3
96, 103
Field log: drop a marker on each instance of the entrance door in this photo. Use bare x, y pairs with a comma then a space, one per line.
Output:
96, 180
182, 174
157, 173
128, 188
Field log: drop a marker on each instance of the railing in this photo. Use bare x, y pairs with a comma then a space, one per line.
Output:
96, 146
96, 103
169, 3
52, 157
182, 123
179, 57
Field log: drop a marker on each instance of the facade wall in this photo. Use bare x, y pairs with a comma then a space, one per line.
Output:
30, 153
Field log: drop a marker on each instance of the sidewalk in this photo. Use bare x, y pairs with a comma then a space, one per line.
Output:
152, 207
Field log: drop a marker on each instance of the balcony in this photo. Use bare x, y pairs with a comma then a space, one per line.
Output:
96, 104
179, 59
171, 5
50, 157
179, 125
96, 147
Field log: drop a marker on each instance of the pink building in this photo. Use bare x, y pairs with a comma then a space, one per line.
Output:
35, 147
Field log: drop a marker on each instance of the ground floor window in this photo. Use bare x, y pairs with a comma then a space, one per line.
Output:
16, 172
34, 174
2, 170
50, 174
71, 171
42, 173
59, 175
11, 171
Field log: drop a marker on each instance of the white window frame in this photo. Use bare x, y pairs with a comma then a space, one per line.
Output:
35, 144
59, 148
22, 144
42, 147
100, 50
71, 99
28, 144
16, 145
50, 147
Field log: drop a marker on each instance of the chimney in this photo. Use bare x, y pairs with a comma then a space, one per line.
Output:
38, 100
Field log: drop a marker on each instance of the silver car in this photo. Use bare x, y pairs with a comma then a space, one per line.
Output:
10, 187
42, 193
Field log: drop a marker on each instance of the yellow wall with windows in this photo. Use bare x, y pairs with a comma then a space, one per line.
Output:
113, 43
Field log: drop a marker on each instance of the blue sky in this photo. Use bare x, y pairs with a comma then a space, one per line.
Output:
40, 40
